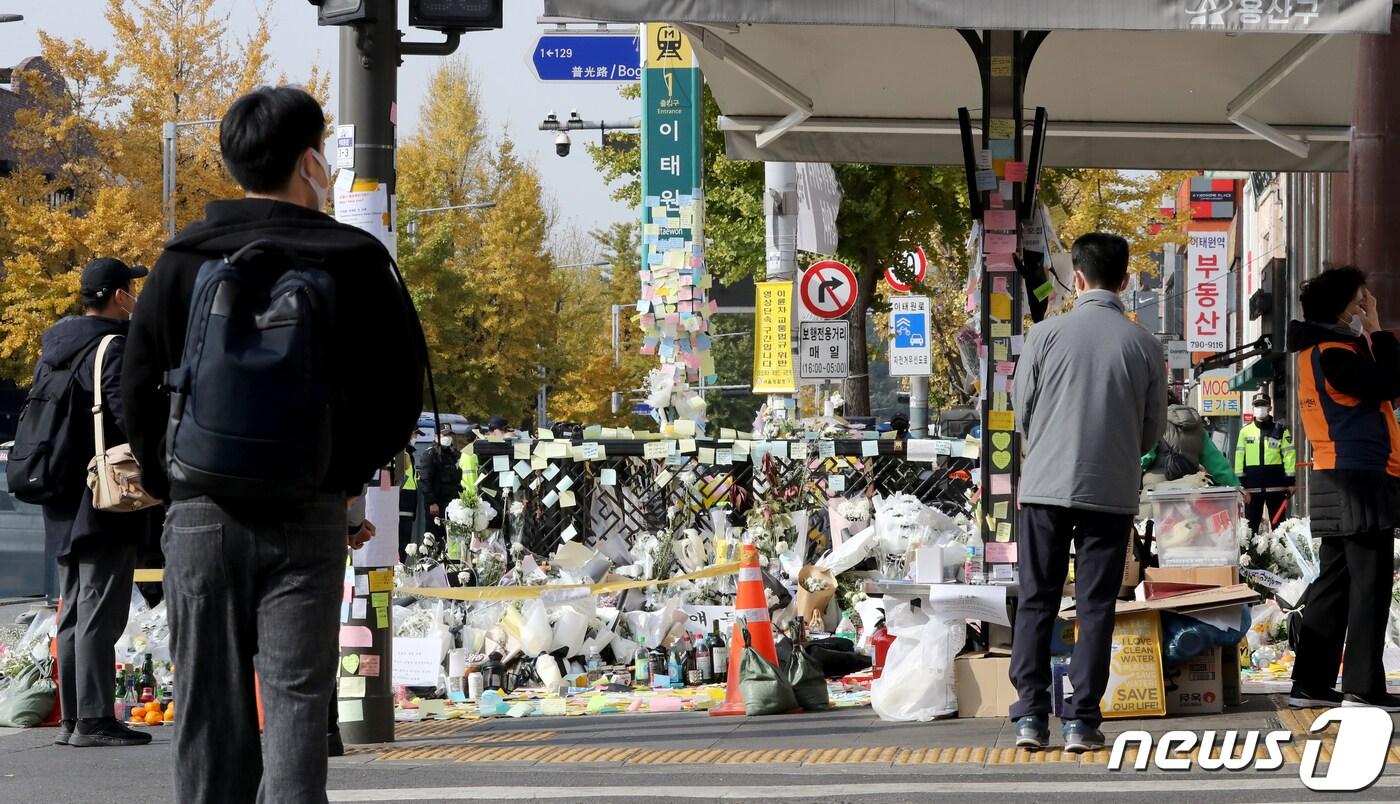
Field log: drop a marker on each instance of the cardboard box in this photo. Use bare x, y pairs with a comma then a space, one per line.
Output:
983, 685
1203, 576
1196, 686
1135, 686
1184, 604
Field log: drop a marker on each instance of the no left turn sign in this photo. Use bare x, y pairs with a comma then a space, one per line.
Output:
828, 289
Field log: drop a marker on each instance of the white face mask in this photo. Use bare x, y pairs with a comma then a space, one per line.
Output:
446, 441
322, 191
1261, 413
1356, 325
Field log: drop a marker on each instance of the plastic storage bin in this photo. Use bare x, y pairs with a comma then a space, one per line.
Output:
1196, 527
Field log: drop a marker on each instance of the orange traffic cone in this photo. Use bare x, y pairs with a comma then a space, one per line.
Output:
750, 605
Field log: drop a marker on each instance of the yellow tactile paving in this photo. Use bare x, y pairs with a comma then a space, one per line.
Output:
435, 728
512, 737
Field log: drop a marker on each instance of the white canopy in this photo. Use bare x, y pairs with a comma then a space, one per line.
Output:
1127, 83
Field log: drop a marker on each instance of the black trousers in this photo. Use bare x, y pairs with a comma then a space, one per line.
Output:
1254, 509
95, 580
1100, 544
1353, 590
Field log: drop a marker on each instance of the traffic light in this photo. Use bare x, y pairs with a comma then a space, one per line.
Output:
456, 15
343, 12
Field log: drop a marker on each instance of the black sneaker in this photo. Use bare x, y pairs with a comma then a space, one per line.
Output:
335, 747
1304, 698
65, 732
106, 732
1081, 737
1033, 732
1380, 700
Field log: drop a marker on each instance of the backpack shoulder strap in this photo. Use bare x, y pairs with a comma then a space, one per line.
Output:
99, 437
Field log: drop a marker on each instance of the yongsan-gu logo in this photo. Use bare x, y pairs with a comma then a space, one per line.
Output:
1358, 757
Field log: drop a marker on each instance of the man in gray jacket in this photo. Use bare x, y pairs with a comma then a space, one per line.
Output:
1090, 399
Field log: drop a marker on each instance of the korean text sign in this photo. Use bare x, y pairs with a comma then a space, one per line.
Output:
1207, 270
772, 342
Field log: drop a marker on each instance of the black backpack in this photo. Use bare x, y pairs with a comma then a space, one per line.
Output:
49, 459
252, 400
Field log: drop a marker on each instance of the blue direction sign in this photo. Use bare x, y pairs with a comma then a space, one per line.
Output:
587, 57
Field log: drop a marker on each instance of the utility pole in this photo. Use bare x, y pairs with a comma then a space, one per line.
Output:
370, 52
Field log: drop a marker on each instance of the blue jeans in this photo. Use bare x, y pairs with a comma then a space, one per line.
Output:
253, 590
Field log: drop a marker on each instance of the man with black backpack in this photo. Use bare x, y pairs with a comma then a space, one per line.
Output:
275, 364
96, 550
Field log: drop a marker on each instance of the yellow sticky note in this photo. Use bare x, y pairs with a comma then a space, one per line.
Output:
685, 428
352, 687
545, 435
663, 478
706, 456
1001, 306
999, 352
1001, 420
521, 451
726, 434
741, 447
539, 463
1001, 330
381, 580
566, 499
687, 446
1000, 510
1004, 532
1002, 128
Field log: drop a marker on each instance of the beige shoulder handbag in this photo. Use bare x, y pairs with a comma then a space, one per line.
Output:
113, 474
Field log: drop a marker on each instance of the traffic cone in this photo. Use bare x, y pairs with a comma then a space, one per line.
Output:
750, 605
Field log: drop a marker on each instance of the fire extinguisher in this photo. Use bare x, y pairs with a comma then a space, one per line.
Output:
880, 641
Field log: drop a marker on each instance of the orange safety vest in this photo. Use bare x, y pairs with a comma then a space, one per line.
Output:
1346, 432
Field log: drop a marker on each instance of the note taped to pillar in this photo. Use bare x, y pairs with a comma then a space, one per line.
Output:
365, 205
772, 344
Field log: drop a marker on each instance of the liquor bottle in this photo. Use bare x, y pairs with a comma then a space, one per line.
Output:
675, 663
640, 666
119, 694
719, 655
129, 698
148, 673
594, 665
704, 667
658, 663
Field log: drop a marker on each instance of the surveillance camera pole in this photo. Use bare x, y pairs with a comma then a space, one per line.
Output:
369, 62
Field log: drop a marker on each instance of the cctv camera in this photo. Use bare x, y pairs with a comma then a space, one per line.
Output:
551, 121
573, 116
561, 144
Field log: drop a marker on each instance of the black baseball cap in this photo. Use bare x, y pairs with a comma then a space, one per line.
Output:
105, 275
1262, 398
498, 423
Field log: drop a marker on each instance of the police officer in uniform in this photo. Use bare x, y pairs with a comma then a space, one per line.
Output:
1265, 462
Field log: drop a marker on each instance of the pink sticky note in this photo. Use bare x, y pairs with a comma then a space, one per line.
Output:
999, 284
355, 636
995, 200
1015, 171
665, 704
999, 220
1000, 262
1001, 552
1005, 367
648, 349
348, 593
1001, 484
369, 664
999, 243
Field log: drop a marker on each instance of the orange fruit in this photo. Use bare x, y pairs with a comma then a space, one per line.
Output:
138, 714
153, 718
169, 715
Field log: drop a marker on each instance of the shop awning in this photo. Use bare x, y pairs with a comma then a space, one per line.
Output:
1253, 375
1128, 83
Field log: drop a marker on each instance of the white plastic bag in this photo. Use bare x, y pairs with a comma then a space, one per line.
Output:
917, 682
535, 633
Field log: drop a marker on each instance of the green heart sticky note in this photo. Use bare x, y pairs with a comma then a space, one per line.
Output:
1043, 292
351, 663
1001, 440
1001, 460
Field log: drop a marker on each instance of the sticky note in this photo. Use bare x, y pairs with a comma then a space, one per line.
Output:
565, 483
381, 620
1001, 485
521, 709
724, 456
1043, 291
369, 664
552, 706
1016, 171
706, 455
350, 711
826, 449
986, 181
741, 448
663, 478
355, 636
357, 609
361, 584
869, 449
1001, 553
1001, 306
566, 499
835, 483
609, 477
993, 243
1000, 220
521, 451
351, 687
999, 352
1001, 420
379, 599
999, 510
653, 450
381, 580
1001, 128
1004, 532
687, 445
569, 533
1001, 330
551, 498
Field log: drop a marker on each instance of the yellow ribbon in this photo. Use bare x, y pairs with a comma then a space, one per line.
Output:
499, 593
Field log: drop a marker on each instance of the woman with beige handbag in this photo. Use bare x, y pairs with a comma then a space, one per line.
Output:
96, 549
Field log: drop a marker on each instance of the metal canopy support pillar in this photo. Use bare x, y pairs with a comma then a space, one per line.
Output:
780, 210
1003, 58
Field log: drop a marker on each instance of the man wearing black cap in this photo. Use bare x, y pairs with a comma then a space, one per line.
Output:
96, 550
498, 427
1266, 463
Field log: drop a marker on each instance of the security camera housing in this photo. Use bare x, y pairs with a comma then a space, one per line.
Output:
562, 143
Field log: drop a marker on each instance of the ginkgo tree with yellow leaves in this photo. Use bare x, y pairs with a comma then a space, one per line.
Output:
88, 152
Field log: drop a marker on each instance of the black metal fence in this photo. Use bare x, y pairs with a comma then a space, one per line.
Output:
624, 493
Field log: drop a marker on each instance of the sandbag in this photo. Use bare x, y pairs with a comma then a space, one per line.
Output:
29, 698
807, 680
765, 689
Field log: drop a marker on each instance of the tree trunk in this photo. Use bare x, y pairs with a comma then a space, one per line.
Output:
858, 386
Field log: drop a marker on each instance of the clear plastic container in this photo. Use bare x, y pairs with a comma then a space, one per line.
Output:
1196, 527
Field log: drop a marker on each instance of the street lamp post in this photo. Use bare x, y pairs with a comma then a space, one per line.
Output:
169, 134
412, 214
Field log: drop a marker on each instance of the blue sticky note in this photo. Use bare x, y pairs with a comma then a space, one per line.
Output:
1003, 149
